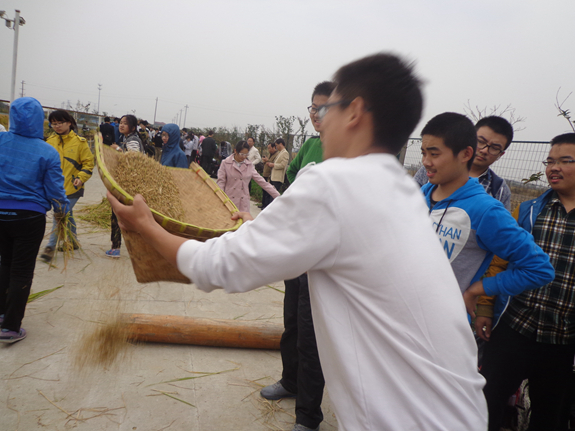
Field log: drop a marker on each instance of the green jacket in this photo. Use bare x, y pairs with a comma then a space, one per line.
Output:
310, 152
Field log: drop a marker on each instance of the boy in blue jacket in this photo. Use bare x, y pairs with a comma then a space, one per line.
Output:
473, 226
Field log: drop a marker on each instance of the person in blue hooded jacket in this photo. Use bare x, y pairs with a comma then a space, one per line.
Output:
172, 154
471, 225
31, 182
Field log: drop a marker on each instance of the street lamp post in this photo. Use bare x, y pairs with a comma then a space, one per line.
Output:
99, 89
185, 115
15, 25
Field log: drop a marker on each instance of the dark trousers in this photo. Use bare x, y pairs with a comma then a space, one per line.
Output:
20, 239
509, 358
158, 154
301, 368
116, 236
206, 164
266, 197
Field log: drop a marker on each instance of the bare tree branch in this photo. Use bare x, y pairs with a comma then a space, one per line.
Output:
564, 112
476, 113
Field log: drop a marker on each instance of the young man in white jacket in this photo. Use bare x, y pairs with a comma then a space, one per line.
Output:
390, 322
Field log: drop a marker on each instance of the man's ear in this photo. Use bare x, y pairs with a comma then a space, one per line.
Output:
467, 154
357, 109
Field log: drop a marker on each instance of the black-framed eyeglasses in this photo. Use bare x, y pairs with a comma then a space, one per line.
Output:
322, 109
312, 110
493, 149
560, 162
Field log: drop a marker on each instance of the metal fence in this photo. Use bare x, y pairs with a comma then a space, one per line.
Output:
521, 160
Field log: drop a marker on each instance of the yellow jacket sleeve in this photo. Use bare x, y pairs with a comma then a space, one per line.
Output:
485, 303
87, 162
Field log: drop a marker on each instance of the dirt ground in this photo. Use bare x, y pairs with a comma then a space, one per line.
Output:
153, 386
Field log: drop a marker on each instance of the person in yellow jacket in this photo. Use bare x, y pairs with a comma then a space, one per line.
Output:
77, 164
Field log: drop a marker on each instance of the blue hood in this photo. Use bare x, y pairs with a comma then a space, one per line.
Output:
27, 118
172, 154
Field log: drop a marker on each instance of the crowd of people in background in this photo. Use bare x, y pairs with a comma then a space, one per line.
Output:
234, 168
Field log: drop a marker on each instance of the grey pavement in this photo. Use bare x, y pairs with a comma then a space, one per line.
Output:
41, 389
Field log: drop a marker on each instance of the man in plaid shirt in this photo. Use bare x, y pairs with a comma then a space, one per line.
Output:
535, 336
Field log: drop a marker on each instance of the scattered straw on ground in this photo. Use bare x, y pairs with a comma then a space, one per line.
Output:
99, 214
77, 415
34, 296
137, 173
272, 414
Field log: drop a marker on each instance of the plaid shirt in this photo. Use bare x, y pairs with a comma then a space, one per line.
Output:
548, 313
485, 180
503, 195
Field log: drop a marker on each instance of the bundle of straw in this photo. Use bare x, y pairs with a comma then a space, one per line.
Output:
98, 214
66, 240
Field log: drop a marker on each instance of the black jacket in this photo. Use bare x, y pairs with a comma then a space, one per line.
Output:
209, 147
108, 134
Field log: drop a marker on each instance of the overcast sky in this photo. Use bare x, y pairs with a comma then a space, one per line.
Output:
239, 62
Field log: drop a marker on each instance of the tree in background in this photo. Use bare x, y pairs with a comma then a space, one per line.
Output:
284, 126
508, 112
301, 133
564, 112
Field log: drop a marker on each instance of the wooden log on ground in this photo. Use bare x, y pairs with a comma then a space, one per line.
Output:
203, 332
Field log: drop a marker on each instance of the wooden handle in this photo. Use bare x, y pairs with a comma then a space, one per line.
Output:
203, 332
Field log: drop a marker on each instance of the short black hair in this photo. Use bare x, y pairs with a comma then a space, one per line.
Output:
106, 119
566, 138
210, 132
116, 120
63, 116
499, 125
456, 130
391, 93
252, 138
272, 144
280, 141
242, 145
324, 88
132, 122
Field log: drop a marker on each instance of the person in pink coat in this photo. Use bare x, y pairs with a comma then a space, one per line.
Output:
235, 174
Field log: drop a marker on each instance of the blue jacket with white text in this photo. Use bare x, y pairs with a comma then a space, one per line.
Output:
473, 226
